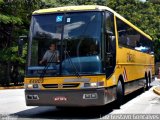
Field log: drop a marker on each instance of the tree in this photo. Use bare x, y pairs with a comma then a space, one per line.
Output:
145, 15
15, 18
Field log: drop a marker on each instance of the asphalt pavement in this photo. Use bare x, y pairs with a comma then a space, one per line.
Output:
12, 105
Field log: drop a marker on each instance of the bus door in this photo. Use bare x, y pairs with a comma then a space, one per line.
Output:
110, 44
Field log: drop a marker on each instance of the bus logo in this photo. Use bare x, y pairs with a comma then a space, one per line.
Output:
130, 57
60, 98
60, 85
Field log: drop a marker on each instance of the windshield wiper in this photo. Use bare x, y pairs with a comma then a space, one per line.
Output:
47, 65
71, 62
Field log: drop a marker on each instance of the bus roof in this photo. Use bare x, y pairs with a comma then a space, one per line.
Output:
88, 8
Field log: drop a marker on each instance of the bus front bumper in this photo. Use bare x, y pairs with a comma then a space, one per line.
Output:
81, 98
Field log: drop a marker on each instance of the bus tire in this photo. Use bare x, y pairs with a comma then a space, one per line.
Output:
147, 82
119, 93
149, 78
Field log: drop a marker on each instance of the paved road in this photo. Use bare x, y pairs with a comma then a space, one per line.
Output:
12, 105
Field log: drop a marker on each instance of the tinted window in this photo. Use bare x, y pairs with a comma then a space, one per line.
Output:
144, 45
129, 37
110, 34
76, 37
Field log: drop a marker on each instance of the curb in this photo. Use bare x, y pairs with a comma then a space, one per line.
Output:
12, 87
157, 90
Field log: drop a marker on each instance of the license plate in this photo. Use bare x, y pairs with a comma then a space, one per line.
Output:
90, 96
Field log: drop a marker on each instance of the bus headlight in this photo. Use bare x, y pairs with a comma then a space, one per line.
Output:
29, 86
32, 86
94, 84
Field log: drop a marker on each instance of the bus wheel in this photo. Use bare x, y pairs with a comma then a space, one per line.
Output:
120, 94
147, 82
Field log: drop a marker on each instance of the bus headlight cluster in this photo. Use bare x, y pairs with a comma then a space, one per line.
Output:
32, 86
94, 84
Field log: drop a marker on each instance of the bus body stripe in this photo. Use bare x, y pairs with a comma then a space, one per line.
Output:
125, 75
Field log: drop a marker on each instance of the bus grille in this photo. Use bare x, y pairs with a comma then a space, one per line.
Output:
70, 85
50, 85
73, 85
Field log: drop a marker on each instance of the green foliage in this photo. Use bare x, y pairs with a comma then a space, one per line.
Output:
15, 19
144, 15
6, 19
56, 3
11, 54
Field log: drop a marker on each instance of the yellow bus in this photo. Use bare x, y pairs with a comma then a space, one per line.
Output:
85, 55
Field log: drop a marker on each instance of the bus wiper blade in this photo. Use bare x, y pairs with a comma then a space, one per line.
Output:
71, 62
47, 65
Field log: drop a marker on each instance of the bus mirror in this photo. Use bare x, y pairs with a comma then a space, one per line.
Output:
152, 53
20, 45
109, 33
109, 54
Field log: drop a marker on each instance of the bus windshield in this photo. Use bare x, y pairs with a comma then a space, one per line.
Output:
65, 44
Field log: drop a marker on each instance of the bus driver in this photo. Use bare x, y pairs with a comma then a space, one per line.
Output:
51, 55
